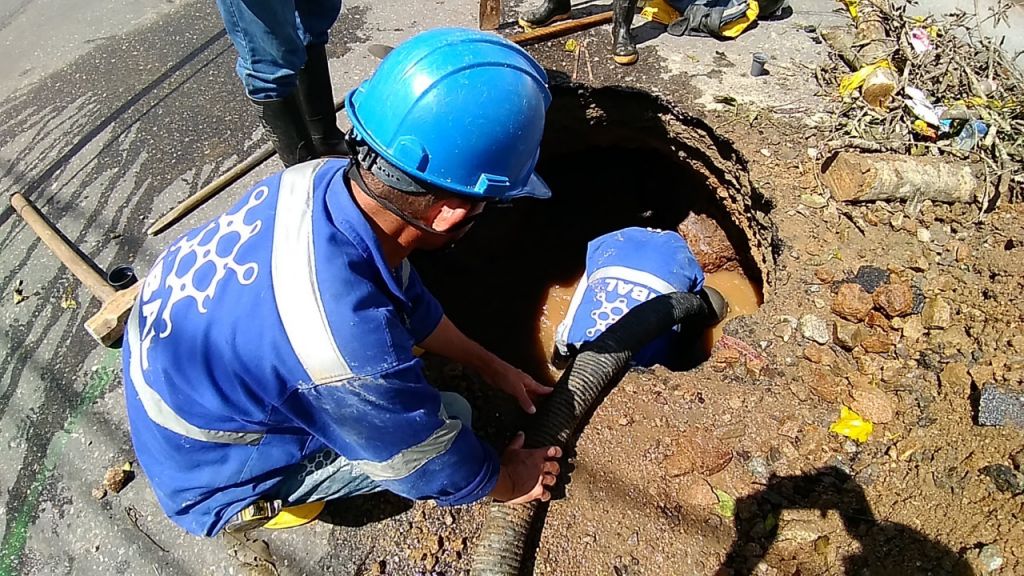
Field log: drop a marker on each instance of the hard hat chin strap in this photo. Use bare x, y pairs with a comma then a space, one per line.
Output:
352, 172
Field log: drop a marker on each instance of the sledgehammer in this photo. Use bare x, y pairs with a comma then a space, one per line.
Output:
107, 325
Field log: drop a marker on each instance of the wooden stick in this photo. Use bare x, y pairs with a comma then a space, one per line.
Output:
83, 269
193, 202
561, 29
490, 14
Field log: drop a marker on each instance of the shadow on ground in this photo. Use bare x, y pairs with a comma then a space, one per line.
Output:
887, 548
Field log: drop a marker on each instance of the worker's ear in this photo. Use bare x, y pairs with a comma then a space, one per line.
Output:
448, 213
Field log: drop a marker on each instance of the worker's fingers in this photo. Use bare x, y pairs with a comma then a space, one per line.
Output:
534, 387
551, 467
549, 480
518, 441
545, 496
554, 452
524, 400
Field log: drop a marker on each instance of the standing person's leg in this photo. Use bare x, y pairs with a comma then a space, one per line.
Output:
328, 476
315, 18
270, 55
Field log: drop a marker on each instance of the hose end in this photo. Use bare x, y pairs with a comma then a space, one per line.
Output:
716, 303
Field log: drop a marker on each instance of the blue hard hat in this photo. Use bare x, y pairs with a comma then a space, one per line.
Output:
457, 109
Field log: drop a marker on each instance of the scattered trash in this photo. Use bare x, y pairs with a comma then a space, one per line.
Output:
726, 504
757, 64
921, 107
852, 82
972, 133
920, 40
1000, 407
961, 96
19, 293
68, 301
851, 425
118, 477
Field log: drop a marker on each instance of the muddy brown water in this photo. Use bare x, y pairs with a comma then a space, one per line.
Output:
509, 281
744, 298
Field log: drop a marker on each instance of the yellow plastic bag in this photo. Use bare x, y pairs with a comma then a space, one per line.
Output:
851, 82
659, 11
737, 26
851, 425
851, 5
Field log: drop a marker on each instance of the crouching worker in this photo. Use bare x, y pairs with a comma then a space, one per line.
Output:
269, 359
624, 269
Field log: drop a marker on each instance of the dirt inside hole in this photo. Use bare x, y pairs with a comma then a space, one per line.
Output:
508, 282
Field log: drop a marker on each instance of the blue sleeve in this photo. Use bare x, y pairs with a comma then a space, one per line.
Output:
392, 426
426, 310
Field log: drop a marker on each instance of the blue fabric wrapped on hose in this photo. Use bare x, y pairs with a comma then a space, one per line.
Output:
626, 268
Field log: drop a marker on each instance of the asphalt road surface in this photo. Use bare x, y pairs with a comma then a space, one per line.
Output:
111, 112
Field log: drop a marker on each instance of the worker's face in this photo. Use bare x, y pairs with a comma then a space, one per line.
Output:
452, 218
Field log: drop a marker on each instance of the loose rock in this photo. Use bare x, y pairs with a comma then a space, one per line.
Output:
708, 242
873, 404
894, 299
937, 314
991, 558
955, 376
1000, 407
877, 343
876, 319
814, 329
848, 336
695, 491
116, 479
913, 330
1004, 478
698, 451
852, 303
870, 278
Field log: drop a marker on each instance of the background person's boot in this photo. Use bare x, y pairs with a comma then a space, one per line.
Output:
317, 99
623, 50
549, 12
284, 122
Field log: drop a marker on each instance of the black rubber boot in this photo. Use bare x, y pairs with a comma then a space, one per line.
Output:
318, 103
548, 13
284, 122
623, 50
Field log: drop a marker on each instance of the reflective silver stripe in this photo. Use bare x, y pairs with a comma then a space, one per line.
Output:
406, 272
158, 410
632, 275
411, 459
293, 272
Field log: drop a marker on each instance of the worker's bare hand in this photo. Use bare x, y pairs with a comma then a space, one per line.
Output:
526, 474
515, 383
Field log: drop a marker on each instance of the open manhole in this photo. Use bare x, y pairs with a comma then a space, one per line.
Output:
614, 158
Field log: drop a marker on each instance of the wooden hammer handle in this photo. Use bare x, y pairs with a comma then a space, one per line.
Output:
82, 268
561, 29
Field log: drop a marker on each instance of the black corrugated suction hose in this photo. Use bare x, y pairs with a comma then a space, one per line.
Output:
499, 550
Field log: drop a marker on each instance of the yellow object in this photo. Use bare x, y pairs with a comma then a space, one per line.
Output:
851, 5
922, 128
293, 516
737, 26
659, 11
571, 45
851, 425
851, 82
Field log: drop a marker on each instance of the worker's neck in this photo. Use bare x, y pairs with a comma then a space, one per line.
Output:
396, 238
